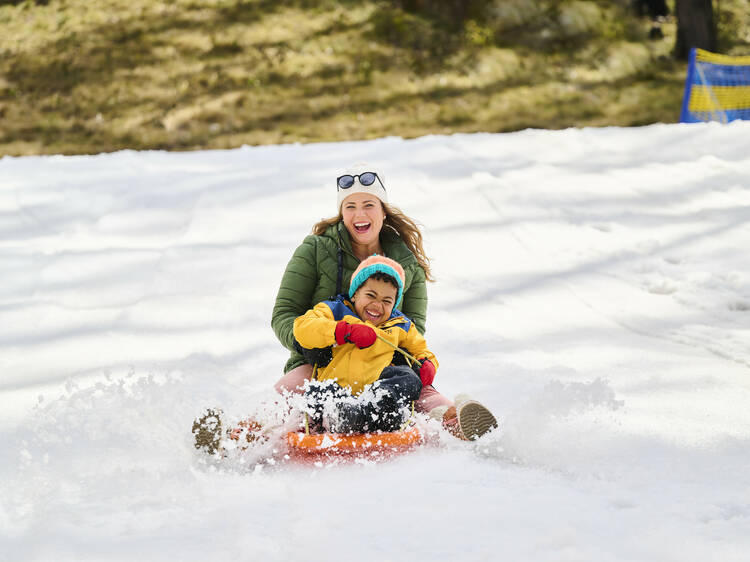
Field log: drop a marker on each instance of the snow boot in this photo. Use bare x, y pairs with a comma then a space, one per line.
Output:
468, 419
446, 415
207, 431
389, 413
321, 399
474, 420
385, 414
249, 431
349, 418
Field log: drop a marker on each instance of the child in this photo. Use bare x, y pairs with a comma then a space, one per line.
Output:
360, 361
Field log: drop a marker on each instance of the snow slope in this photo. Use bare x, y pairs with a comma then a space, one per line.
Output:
593, 290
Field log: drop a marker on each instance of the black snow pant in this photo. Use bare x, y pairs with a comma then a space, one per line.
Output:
377, 408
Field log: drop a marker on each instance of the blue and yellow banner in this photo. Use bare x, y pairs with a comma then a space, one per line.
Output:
717, 88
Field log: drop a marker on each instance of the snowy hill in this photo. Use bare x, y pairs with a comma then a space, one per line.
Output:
593, 290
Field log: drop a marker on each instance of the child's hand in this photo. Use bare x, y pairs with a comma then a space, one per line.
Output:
360, 335
427, 372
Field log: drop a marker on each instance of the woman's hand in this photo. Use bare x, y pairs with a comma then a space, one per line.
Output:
360, 335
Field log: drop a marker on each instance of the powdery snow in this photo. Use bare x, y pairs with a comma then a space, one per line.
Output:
593, 290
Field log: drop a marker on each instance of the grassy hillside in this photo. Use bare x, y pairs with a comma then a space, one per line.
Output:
80, 77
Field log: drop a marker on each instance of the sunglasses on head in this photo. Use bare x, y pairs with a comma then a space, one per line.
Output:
366, 178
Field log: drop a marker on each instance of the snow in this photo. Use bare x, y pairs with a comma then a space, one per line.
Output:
593, 291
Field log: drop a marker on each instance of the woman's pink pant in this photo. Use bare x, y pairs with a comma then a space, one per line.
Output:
295, 379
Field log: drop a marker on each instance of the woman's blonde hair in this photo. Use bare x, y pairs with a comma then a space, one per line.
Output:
404, 226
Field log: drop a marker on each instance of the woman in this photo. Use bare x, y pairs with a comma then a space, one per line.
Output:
322, 266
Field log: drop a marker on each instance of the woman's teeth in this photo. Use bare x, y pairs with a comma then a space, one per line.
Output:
360, 226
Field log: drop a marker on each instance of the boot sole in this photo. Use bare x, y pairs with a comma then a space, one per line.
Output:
207, 431
475, 420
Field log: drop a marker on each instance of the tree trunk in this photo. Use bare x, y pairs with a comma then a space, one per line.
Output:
695, 27
458, 10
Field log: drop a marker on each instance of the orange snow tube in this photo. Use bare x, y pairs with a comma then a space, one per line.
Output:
359, 445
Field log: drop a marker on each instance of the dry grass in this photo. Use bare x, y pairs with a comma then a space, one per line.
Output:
85, 77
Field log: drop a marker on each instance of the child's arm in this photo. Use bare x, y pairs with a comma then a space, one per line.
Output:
316, 327
414, 343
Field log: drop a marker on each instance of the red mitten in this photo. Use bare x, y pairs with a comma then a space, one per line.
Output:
427, 372
360, 335
341, 331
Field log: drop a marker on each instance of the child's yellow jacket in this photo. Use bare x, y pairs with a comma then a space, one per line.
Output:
353, 367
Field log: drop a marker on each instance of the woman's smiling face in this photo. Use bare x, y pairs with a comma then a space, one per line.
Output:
363, 217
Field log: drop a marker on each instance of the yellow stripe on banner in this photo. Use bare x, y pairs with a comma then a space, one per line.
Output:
716, 58
707, 98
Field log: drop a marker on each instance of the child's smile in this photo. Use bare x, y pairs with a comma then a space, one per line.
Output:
374, 300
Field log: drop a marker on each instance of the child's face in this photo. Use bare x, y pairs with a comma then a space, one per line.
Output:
374, 301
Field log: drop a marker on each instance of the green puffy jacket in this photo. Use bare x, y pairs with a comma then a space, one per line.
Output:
310, 277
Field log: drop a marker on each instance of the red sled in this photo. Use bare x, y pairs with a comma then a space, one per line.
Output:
315, 446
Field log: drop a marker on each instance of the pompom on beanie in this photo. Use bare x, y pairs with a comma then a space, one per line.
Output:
376, 188
375, 264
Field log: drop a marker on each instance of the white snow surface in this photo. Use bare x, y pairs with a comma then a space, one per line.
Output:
593, 290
